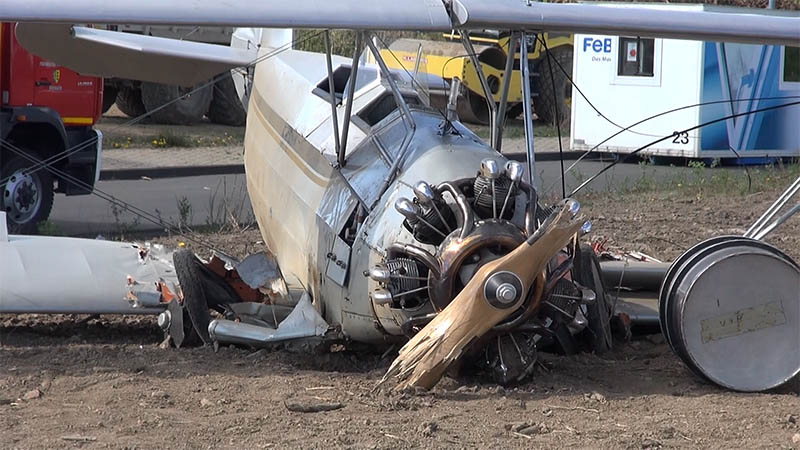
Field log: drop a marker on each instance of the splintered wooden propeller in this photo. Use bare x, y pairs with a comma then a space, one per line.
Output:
426, 357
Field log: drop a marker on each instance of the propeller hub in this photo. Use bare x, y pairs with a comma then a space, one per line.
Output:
503, 290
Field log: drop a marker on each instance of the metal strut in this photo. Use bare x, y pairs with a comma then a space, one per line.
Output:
351, 95
332, 90
487, 91
501, 110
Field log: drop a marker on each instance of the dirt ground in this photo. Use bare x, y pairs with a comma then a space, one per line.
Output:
68, 382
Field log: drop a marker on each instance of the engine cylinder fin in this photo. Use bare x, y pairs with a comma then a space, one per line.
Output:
482, 189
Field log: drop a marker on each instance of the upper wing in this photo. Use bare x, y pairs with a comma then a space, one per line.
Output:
353, 14
751, 26
169, 61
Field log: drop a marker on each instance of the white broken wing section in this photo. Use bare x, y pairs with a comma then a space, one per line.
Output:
55, 275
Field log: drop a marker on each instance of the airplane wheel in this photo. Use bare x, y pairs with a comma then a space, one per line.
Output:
202, 290
190, 277
587, 272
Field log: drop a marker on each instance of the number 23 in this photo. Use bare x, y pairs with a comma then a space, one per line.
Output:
681, 137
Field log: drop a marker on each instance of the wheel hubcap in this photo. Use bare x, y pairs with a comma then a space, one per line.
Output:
21, 197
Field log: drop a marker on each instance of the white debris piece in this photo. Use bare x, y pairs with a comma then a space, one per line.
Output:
58, 275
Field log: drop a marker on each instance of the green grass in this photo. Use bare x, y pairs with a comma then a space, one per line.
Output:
169, 139
697, 179
517, 131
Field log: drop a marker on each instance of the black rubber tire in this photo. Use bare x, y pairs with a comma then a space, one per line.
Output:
472, 108
587, 272
190, 277
202, 290
109, 97
546, 102
44, 180
226, 108
514, 110
186, 110
129, 101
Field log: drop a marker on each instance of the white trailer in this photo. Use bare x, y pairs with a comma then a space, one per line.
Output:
630, 79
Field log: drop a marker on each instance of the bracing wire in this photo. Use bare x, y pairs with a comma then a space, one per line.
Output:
704, 124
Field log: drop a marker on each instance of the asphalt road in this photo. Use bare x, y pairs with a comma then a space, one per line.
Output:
191, 198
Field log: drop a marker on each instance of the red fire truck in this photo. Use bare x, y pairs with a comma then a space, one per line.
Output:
46, 116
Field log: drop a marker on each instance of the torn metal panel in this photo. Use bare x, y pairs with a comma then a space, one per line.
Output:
261, 271
303, 322
55, 275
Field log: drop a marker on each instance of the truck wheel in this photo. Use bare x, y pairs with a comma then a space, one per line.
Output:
547, 99
187, 109
109, 98
129, 101
514, 110
226, 108
27, 198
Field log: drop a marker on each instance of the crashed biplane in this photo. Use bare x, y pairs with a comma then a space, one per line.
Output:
386, 218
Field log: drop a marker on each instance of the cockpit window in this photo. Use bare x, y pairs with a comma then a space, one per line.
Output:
341, 82
382, 107
340, 77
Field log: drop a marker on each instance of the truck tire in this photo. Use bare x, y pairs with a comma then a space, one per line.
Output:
109, 98
129, 101
547, 100
171, 104
226, 108
26, 198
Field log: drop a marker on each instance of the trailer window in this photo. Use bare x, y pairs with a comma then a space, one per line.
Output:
791, 64
636, 57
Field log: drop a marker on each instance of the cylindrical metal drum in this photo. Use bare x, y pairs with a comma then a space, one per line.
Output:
730, 308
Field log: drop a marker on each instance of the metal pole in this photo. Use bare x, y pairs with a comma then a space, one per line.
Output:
763, 233
332, 90
501, 111
526, 109
487, 91
771, 4
348, 108
773, 209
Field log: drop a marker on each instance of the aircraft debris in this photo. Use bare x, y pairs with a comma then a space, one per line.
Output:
57, 275
302, 322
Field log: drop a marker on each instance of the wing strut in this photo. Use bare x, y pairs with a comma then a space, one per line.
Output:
528, 118
332, 90
348, 108
501, 110
487, 91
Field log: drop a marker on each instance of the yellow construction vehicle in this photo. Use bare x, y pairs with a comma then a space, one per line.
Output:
448, 59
